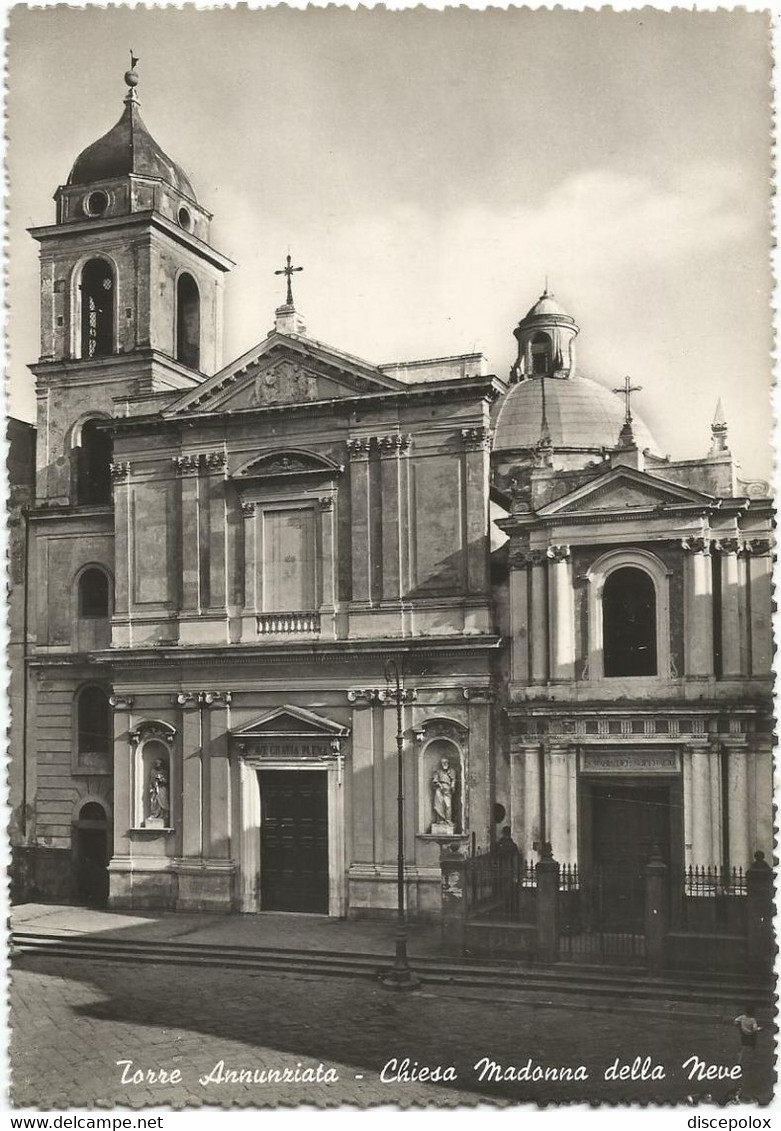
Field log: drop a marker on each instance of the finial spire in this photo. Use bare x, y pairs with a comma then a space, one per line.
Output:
289, 271
131, 79
719, 432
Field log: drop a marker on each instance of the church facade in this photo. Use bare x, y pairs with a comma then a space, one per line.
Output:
228, 566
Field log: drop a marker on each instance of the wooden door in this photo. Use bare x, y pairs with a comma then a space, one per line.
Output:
628, 821
294, 840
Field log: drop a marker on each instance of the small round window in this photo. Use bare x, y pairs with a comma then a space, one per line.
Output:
184, 218
96, 203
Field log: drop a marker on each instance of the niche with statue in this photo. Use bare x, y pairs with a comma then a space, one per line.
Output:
442, 788
155, 785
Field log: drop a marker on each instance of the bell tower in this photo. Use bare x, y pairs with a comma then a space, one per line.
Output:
131, 298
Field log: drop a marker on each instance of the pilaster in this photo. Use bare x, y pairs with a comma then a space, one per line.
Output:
187, 467
360, 524
477, 443
539, 617
730, 609
562, 619
391, 447
698, 608
520, 565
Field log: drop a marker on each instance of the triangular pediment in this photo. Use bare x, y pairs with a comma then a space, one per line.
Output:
284, 370
625, 489
291, 722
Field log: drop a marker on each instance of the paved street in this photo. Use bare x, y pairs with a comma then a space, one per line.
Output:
72, 1020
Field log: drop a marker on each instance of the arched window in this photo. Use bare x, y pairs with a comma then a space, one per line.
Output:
541, 354
94, 465
93, 722
94, 598
629, 623
97, 309
188, 322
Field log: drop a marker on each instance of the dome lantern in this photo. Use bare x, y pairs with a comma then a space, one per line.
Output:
546, 341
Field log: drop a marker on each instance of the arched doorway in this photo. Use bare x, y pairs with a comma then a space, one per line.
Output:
91, 854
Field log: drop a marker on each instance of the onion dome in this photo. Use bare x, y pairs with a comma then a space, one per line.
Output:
128, 148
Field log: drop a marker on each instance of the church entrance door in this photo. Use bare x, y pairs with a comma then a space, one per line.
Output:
293, 840
628, 821
91, 856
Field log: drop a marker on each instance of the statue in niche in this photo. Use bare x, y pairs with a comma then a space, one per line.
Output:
159, 805
444, 784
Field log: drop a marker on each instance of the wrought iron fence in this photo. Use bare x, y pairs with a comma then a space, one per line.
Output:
500, 885
708, 899
600, 915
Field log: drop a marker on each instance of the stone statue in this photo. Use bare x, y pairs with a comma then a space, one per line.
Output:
159, 805
444, 784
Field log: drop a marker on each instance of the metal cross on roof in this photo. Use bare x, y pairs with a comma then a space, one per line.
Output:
626, 393
289, 271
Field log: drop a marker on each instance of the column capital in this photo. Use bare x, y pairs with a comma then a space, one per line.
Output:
326, 503
727, 545
121, 702
393, 443
358, 448
248, 509
558, 553
119, 471
187, 464
696, 545
519, 558
215, 698
478, 694
757, 547
214, 461
366, 694
476, 439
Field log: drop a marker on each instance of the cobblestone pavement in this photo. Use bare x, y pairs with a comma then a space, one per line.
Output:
72, 1020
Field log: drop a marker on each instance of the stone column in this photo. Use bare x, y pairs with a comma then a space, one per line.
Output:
698, 608
760, 568
477, 442
716, 808
217, 833
362, 778
562, 615
187, 466
251, 579
525, 799
327, 565
700, 807
561, 821
391, 448
539, 617
738, 804
520, 668
215, 548
731, 665
122, 562
192, 776
125, 816
358, 450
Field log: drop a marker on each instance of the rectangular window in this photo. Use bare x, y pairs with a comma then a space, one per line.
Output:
289, 560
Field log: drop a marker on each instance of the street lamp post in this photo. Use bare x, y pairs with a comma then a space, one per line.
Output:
400, 977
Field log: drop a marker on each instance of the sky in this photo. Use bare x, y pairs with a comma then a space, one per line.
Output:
429, 169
